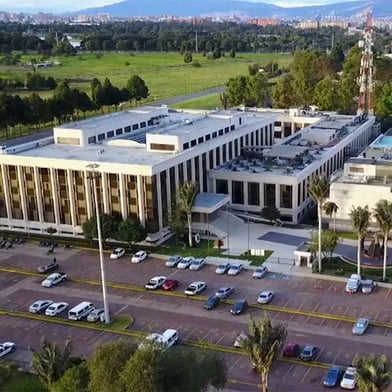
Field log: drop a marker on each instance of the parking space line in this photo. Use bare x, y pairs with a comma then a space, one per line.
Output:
305, 376
190, 333
336, 357
288, 371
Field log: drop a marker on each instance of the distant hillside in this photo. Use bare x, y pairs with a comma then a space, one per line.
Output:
127, 8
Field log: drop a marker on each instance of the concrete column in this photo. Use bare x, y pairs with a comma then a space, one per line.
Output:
214, 158
89, 197
168, 184
193, 172
246, 204
159, 200
177, 176
292, 128
229, 189
201, 175
38, 195
5, 176
123, 197
261, 193
140, 200
277, 196
22, 192
56, 196
71, 196
105, 196
221, 154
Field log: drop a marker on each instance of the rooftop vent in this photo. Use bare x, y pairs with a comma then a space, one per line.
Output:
188, 121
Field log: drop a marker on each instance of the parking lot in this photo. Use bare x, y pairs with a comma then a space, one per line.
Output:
154, 312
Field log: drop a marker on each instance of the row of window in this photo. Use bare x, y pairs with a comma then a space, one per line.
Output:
208, 137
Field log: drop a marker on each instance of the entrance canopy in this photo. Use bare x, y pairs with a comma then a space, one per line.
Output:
207, 203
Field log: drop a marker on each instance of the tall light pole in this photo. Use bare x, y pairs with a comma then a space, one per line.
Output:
248, 253
93, 177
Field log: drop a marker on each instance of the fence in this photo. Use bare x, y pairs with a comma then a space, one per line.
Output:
281, 260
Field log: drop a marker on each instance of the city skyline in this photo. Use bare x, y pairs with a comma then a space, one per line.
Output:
58, 6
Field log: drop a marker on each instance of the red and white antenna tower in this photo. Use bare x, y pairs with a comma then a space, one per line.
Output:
365, 80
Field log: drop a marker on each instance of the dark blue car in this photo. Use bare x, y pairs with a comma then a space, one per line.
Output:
333, 377
212, 302
239, 307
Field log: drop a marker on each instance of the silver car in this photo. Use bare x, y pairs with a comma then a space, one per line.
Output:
260, 272
224, 292
360, 327
173, 261
222, 268
197, 264
95, 315
235, 269
39, 306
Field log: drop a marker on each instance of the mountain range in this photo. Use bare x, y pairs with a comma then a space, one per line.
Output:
128, 8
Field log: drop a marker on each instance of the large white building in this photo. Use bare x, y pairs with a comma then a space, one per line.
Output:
145, 154
365, 180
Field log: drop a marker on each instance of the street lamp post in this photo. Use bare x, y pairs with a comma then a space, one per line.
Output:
248, 253
94, 175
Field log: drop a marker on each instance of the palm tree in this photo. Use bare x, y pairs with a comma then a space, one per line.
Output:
383, 215
331, 208
360, 219
50, 363
263, 345
373, 373
318, 190
186, 199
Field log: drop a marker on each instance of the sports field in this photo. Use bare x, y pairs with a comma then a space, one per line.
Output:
165, 74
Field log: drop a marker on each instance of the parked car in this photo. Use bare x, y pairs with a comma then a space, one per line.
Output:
367, 286
235, 269
170, 284
212, 302
185, 262
139, 256
117, 253
240, 340
197, 264
291, 350
224, 292
222, 268
360, 327
53, 279
333, 377
173, 261
44, 269
349, 380
155, 283
95, 315
265, 297
260, 272
56, 308
353, 284
40, 305
239, 307
309, 353
6, 348
195, 288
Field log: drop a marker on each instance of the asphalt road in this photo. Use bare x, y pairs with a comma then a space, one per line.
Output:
297, 303
170, 101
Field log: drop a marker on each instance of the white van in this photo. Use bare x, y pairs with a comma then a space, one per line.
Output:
81, 310
163, 341
170, 337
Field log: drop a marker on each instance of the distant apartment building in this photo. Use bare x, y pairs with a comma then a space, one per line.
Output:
316, 24
263, 22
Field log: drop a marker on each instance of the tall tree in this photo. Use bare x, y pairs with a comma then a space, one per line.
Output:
330, 208
360, 219
186, 199
109, 227
237, 91
318, 190
282, 93
337, 57
326, 94
383, 102
75, 379
383, 215
329, 242
106, 365
51, 362
137, 88
263, 344
374, 373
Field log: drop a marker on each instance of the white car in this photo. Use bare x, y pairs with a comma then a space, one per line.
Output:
235, 269
53, 279
173, 261
185, 262
155, 283
40, 305
349, 380
353, 284
56, 308
265, 297
117, 253
222, 268
197, 264
195, 288
7, 347
240, 340
139, 256
260, 272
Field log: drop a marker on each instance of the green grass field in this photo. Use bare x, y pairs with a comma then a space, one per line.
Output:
207, 102
165, 74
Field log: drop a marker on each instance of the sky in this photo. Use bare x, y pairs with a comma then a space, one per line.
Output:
74, 5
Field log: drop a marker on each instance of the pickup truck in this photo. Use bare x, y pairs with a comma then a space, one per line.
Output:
353, 284
54, 279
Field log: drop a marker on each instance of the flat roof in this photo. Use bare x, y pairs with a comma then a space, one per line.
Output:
209, 202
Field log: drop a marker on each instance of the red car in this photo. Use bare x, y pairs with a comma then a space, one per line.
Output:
291, 350
170, 284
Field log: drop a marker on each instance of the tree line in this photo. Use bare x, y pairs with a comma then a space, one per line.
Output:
66, 101
171, 37
326, 80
